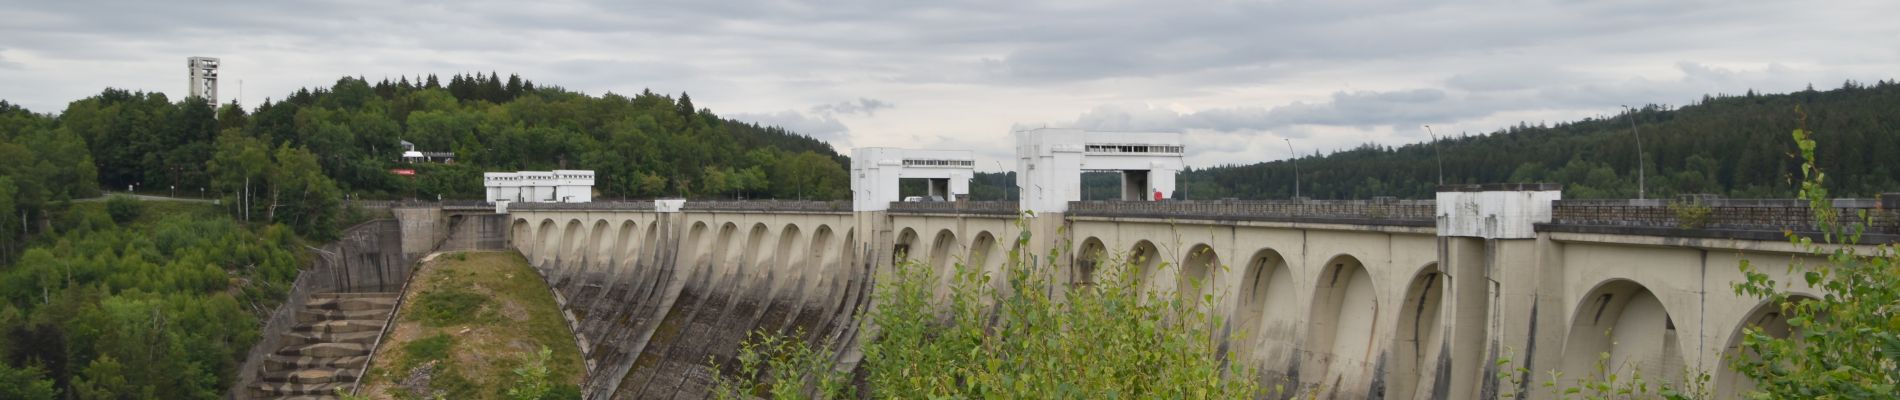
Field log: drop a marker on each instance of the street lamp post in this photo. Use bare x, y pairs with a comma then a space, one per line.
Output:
1641, 187
1295, 158
1440, 155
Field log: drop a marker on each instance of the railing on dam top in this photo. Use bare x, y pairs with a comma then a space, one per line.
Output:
420, 203
770, 206
640, 205
1006, 208
1758, 219
1370, 212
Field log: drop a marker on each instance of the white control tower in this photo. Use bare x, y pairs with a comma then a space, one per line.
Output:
204, 78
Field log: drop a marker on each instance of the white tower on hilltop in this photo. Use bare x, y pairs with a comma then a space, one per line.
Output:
204, 78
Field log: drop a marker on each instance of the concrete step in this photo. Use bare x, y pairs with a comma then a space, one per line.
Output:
280, 389
280, 362
341, 326
314, 337
363, 295
351, 303
309, 315
314, 376
323, 350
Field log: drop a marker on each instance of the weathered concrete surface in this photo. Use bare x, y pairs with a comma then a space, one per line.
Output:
1355, 300
653, 296
368, 258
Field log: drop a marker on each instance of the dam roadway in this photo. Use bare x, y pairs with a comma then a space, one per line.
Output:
1393, 299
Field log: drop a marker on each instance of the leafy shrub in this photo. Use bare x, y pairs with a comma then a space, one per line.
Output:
448, 306
1114, 339
427, 349
1846, 341
123, 209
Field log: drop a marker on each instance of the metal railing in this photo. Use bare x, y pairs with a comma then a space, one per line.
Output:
1767, 215
770, 205
955, 207
640, 205
1385, 211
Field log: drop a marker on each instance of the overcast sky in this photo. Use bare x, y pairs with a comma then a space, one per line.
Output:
1237, 76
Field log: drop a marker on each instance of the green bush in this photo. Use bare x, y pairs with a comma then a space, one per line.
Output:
448, 306
433, 348
123, 209
1846, 341
1113, 339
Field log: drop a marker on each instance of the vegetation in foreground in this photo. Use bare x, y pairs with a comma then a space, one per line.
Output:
477, 325
1843, 340
1013, 340
126, 299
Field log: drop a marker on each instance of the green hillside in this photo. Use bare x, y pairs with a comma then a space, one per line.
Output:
1738, 146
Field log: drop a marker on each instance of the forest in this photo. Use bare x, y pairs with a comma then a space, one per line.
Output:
125, 299
1729, 145
118, 298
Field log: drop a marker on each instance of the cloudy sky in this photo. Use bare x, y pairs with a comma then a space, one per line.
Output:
1236, 76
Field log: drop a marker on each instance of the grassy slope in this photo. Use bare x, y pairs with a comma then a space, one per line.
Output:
470, 319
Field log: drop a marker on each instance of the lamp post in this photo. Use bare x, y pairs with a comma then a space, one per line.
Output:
1641, 187
1295, 158
1440, 155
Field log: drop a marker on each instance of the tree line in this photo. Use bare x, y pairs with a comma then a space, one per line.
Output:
1731, 145
118, 301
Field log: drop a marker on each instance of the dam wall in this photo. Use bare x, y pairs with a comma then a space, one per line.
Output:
1382, 298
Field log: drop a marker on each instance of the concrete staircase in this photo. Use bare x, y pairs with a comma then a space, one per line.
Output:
328, 349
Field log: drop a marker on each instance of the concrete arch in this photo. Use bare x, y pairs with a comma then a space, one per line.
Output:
1418, 339
522, 236
602, 237
1267, 317
756, 246
820, 255
573, 243
1196, 276
1089, 258
944, 251
649, 253
1772, 319
697, 247
789, 253
626, 242
547, 243
1343, 323
1624, 319
906, 243
985, 255
1144, 261
849, 257
726, 252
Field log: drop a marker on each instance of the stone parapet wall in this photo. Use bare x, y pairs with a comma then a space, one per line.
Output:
643, 205
770, 205
1763, 215
1384, 211
956, 207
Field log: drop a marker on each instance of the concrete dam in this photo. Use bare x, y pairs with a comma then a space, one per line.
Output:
1383, 298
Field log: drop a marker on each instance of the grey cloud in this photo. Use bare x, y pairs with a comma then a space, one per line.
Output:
821, 127
1364, 108
865, 106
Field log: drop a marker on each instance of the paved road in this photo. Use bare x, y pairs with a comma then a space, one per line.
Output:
144, 198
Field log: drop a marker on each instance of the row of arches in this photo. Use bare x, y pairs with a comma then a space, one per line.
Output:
599, 250
1330, 319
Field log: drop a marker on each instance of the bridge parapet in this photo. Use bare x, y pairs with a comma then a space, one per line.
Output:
1384, 211
591, 206
843, 207
956, 207
1756, 219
